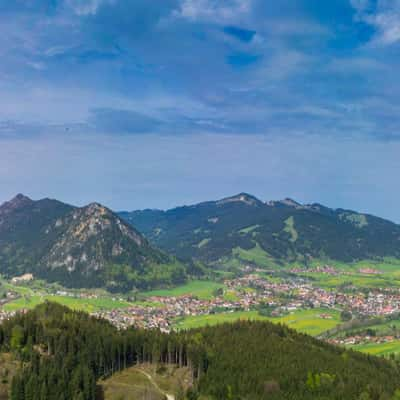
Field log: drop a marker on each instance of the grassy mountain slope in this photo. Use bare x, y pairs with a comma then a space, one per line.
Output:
88, 246
282, 231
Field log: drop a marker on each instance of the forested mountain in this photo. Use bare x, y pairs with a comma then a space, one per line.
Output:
80, 247
64, 353
243, 227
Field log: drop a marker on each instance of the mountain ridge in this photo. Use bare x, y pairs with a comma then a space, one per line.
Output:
76, 246
287, 201
283, 231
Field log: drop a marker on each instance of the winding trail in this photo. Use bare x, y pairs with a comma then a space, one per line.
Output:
150, 378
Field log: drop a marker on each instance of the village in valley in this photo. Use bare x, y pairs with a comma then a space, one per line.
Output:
251, 292
344, 312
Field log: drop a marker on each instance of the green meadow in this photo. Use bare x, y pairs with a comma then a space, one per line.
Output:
130, 384
306, 321
379, 349
388, 274
255, 255
88, 305
201, 289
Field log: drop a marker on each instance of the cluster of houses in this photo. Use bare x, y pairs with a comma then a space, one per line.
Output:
168, 309
4, 315
321, 269
360, 339
76, 295
329, 270
249, 292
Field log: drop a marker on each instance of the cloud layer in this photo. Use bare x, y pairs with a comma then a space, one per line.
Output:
238, 66
182, 73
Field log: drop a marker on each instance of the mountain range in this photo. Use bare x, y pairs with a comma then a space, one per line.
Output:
243, 228
93, 246
87, 246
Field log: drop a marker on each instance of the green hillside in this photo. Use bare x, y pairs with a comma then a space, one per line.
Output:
244, 229
66, 355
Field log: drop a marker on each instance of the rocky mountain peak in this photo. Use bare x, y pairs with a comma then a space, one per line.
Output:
242, 198
96, 209
288, 202
16, 202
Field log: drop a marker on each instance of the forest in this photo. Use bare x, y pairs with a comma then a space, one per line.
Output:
283, 231
63, 354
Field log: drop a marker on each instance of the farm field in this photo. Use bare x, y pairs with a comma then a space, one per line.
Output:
202, 289
386, 327
356, 279
379, 349
388, 274
383, 328
88, 305
384, 265
306, 321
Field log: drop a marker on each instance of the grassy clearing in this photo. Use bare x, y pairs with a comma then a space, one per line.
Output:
379, 349
290, 229
203, 243
384, 265
306, 321
311, 321
168, 378
386, 327
215, 319
385, 279
130, 384
88, 305
201, 289
23, 290
249, 229
255, 255
230, 295
145, 382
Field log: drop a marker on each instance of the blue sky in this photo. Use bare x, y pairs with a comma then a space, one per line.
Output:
167, 102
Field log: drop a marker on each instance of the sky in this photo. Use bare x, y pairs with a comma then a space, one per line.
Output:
155, 104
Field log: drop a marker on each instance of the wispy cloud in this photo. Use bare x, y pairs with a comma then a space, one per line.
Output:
383, 15
214, 11
87, 7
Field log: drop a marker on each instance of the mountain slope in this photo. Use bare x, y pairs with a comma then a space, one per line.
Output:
88, 246
24, 231
246, 228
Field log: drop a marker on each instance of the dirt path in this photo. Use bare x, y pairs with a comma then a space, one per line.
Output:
150, 378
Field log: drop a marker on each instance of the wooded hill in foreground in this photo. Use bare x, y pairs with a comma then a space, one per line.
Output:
80, 247
243, 227
64, 353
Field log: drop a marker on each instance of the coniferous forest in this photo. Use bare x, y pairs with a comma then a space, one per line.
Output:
64, 353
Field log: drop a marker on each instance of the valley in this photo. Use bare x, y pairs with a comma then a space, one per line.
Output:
355, 305
237, 263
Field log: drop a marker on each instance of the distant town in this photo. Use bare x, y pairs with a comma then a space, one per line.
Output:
252, 291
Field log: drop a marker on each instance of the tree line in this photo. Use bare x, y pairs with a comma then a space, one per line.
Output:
64, 353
